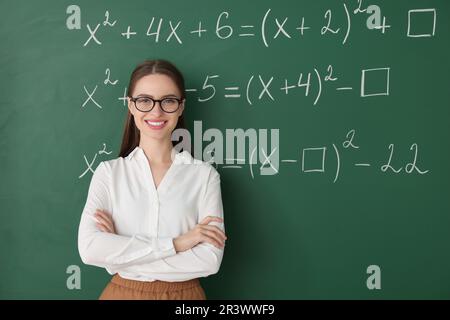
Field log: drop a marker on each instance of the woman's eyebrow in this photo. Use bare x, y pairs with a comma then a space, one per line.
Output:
151, 96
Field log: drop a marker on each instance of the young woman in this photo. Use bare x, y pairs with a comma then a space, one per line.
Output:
153, 217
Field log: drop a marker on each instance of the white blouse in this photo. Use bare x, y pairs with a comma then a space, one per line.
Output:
148, 219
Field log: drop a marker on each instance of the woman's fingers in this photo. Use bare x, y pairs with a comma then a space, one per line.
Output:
104, 227
214, 236
102, 219
104, 214
217, 230
105, 220
215, 243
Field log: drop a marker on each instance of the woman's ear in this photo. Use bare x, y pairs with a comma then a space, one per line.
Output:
130, 105
182, 107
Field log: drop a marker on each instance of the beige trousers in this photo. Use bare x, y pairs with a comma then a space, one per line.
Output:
124, 289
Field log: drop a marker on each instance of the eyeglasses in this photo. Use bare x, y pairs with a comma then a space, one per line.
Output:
146, 104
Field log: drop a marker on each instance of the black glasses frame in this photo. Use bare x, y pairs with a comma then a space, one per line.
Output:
155, 101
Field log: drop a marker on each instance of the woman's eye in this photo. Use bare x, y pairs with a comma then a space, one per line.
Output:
169, 100
144, 100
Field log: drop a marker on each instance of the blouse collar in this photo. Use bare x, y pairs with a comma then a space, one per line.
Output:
178, 157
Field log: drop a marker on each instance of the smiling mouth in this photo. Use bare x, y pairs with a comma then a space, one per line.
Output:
156, 124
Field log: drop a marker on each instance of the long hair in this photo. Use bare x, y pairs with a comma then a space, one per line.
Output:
131, 136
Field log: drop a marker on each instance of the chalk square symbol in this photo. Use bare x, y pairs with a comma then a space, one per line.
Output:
375, 82
423, 21
318, 155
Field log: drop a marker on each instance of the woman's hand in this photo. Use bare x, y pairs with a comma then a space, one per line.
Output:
105, 222
202, 232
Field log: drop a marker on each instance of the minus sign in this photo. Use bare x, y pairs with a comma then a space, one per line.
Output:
344, 88
362, 164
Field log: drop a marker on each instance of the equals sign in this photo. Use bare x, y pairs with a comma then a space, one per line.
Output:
232, 95
246, 34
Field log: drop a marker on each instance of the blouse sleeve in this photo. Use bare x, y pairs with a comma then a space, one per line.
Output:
104, 249
203, 259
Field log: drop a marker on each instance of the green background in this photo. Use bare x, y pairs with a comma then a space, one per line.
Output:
293, 235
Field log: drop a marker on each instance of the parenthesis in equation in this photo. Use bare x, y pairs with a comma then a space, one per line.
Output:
338, 163
348, 24
248, 90
320, 86
251, 161
263, 27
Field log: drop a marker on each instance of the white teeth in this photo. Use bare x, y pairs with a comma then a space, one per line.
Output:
155, 123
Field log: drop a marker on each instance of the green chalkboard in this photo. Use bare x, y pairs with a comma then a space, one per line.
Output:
342, 187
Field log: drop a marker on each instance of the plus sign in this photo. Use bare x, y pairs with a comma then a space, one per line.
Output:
124, 98
128, 33
200, 30
302, 27
383, 26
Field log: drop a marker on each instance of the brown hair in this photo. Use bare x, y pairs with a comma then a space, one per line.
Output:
131, 135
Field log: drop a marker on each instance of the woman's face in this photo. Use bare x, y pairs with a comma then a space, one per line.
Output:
156, 86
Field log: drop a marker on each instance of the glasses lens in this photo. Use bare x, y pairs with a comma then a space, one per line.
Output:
144, 104
169, 104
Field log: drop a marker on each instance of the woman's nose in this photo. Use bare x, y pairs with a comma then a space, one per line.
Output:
157, 111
